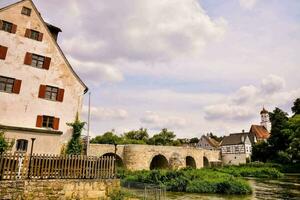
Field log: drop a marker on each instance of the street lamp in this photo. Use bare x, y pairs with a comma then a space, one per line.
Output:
31, 151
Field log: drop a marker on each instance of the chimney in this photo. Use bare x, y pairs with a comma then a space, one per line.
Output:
54, 30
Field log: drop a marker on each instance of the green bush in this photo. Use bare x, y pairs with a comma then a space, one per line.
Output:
191, 180
4, 145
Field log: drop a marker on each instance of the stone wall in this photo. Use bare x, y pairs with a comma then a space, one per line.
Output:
234, 159
58, 189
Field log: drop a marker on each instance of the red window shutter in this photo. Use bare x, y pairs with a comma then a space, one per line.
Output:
56, 123
40, 36
14, 28
17, 86
28, 59
39, 121
47, 62
42, 91
1, 24
3, 52
27, 33
60, 95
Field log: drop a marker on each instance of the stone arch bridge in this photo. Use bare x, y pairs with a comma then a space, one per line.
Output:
145, 157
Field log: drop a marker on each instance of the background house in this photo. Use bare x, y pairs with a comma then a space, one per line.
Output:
207, 142
39, 90
236, 148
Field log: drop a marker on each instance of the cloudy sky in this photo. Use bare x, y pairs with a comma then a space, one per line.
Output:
193, 66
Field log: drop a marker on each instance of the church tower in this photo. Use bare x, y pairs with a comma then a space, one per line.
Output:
265, 120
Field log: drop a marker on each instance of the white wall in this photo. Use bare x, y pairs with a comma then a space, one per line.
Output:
22, 109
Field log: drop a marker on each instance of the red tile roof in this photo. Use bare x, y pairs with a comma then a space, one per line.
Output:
260, 132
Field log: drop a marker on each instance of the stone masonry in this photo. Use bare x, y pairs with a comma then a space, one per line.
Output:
139, 157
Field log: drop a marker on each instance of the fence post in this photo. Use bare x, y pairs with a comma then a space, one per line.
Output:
32, 143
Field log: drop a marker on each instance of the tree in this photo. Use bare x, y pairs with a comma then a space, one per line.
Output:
165, 137
279, 139
4, 145
107, 138
74, 146
140, 134
261, 152
194, 140
294, 147
296, 107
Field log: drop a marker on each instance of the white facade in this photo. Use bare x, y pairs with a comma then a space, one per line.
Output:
21, 110
204, 144
265, 121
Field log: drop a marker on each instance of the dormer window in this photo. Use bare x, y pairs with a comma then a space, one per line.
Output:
26, 11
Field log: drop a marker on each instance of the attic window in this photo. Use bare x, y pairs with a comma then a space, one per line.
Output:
26, 11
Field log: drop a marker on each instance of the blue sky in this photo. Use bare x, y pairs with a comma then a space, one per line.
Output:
193, 66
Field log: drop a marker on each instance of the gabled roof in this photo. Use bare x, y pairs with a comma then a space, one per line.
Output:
260, 132
211, 141
53, 39
235, 139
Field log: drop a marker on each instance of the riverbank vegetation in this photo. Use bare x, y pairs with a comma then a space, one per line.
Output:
191, 180
283, 146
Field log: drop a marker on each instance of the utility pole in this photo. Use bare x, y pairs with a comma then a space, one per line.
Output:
88, 128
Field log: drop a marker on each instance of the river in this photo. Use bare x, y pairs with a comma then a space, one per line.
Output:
285, 188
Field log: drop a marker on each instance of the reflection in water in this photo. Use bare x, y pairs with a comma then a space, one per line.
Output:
286, 188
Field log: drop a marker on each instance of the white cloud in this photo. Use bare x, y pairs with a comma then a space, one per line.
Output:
101, 113
158, 121
244, 104
272, 84
228, 112
97, 72
248, 4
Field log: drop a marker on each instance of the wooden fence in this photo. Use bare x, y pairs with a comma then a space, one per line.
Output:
42, 166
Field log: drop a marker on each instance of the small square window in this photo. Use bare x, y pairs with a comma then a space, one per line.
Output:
22, 145
51, 93
48, 122
7, 26
34, 35
6, 84
37, 61
26, 11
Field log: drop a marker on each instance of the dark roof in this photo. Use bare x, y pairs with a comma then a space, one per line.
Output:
264, 111
260, 132
212, 141
235, 138
52, 27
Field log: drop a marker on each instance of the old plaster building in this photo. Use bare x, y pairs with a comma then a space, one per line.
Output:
206, 142
261, 132
236, 148
39, 90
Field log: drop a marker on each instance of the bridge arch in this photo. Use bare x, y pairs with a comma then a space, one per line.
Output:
159, 162
190, 162
205, 162
119, 160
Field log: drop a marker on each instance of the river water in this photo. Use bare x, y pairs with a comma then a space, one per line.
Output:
285, 188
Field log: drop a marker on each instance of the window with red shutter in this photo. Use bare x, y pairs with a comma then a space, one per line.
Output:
42, 91
60, 95
17, 86
3, 52
39, 121
40, 38
47, 62
28, 58
56, 123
